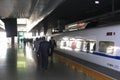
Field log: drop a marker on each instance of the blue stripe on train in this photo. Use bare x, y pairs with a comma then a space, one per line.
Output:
102, 54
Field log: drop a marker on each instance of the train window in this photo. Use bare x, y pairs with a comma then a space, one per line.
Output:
84, 46
67, 43
88, 46
92, 46
106, 47
62, 44
58, 43
79, 44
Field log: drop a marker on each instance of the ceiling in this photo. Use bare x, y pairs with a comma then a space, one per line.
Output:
26, 8
70, 11
54, 11
33, 10
76, 10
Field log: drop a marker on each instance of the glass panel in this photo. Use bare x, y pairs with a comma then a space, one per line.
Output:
84, 47
90, 46
106, 47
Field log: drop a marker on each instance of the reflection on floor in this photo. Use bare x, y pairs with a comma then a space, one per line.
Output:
20, 64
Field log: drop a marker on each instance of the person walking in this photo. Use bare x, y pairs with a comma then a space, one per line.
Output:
44, 48
36, 45
36, 49
52, 43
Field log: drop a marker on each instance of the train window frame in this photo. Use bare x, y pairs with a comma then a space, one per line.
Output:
92, 46
106, 47
89, 46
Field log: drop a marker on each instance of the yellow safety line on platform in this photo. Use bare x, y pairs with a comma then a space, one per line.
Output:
81, 68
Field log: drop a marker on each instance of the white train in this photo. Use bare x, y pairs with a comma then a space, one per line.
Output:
100, 45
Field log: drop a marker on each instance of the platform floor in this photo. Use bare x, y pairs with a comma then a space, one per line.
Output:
20, 64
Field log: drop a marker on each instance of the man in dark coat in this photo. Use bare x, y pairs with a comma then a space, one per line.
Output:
44, 48
52, 46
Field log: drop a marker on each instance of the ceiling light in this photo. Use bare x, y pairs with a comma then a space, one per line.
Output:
21, 21
97, 2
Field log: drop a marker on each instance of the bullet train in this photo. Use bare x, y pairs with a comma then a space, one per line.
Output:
99, 45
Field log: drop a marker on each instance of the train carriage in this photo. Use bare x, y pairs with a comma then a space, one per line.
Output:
100, 45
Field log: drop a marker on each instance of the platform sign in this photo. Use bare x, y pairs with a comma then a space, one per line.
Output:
76, 26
